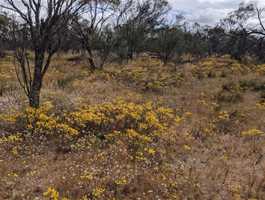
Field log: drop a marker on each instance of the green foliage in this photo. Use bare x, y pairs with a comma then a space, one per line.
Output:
168, 42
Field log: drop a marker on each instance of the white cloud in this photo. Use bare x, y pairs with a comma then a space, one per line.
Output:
203, 11
207, 11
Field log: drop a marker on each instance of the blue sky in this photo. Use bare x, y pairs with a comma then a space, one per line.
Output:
207, 11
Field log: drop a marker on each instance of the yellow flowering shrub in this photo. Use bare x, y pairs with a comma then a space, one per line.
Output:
8, 118
261, 69
218, 67
53, 194
121, 181
14, 138
12, 174
98, 192
148, 74
223, 115
186, 147
136, 126
86, 176
204, 68
11, 142
41, 121
134, 120
228, 122
261, 105
252, 133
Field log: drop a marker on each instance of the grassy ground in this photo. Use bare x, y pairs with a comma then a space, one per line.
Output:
135, 131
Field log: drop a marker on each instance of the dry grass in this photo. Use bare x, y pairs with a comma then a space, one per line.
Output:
214, 151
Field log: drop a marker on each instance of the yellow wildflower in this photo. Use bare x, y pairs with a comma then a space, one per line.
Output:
121, 181
98, 191
187, 147
51, 193
151, 151
253, 132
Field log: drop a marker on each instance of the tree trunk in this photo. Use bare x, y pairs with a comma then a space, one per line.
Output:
130, 54
34, 96
92, 64
90, 58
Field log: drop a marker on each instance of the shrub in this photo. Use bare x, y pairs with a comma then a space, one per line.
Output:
149, 75
261, 69
40, 122
230, 93
253, 85
252, 133
122, 116
134, 124
218, 67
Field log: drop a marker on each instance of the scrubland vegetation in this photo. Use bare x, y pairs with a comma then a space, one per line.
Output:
193, 132
109, 100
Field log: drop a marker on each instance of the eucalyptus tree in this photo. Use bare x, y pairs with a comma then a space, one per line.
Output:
137, 24
93, 30
41, 24
167, 43
4, 32
246, 28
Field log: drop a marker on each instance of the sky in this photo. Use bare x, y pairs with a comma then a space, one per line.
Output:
207, 11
